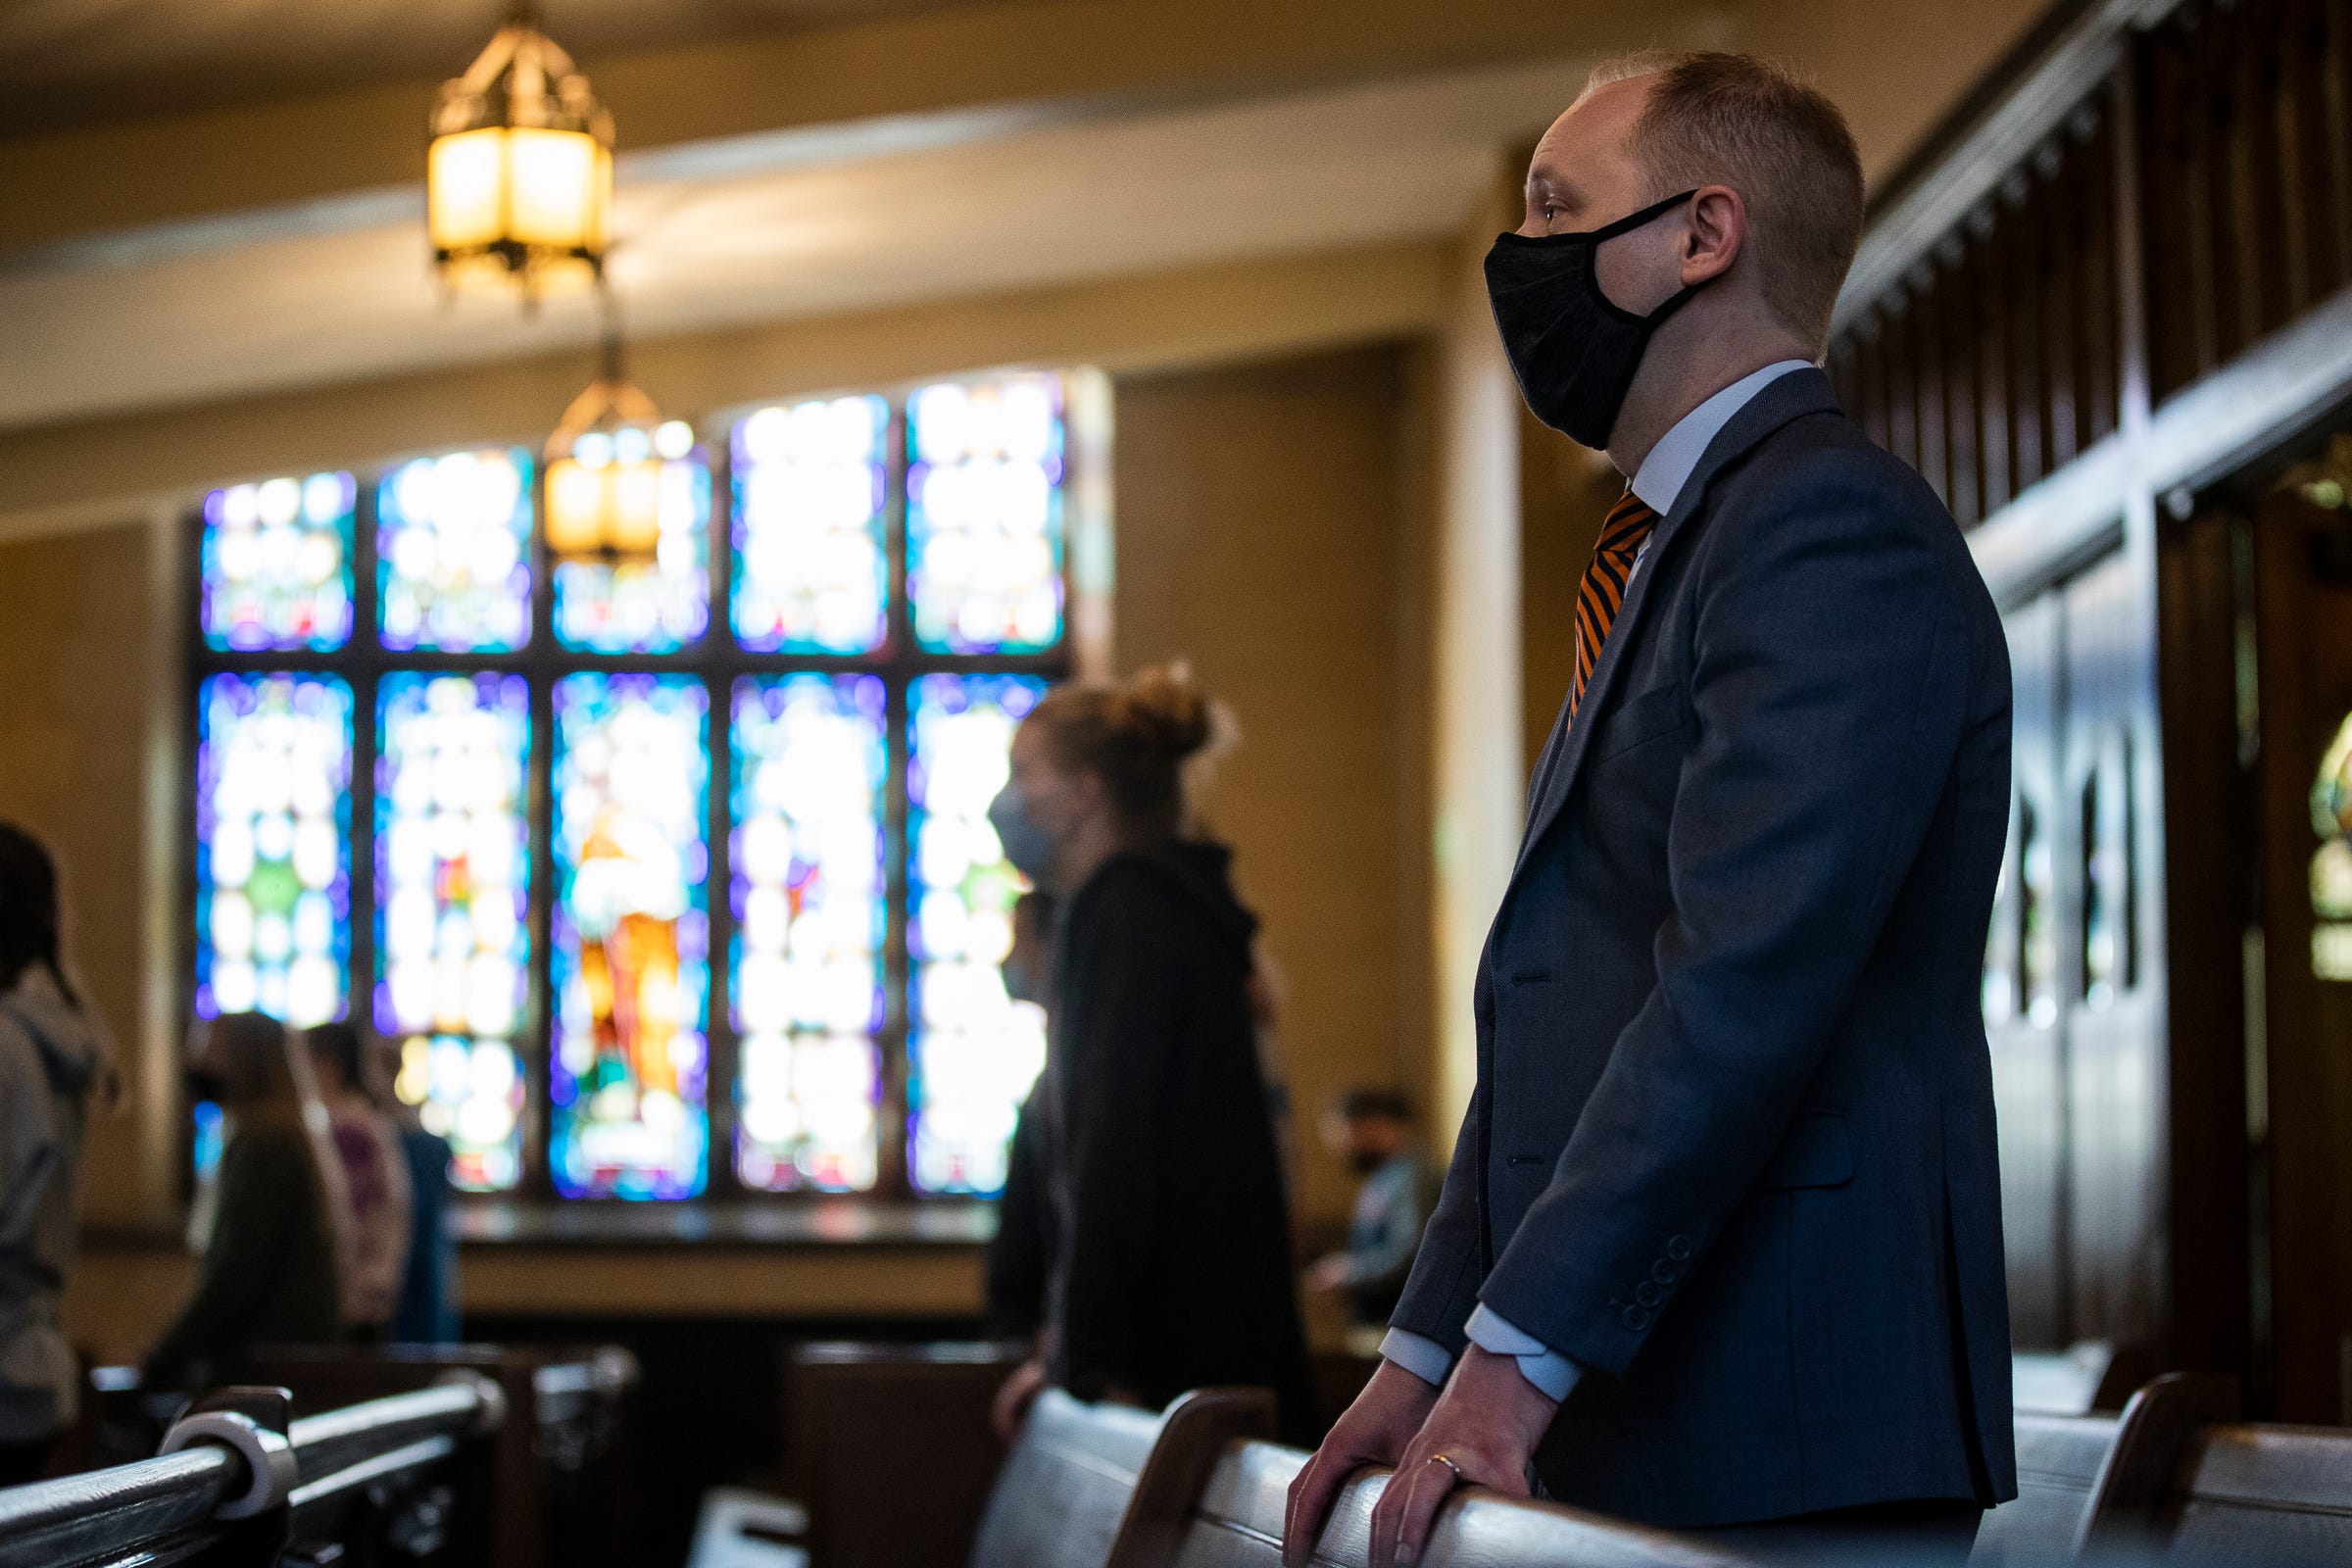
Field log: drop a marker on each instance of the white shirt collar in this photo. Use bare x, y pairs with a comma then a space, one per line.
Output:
1667, 468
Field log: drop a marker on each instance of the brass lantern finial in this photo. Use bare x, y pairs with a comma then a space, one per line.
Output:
603, 465
519, 175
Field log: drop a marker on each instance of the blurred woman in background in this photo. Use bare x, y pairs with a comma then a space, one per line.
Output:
270, 1273
1169, 1238
376, 1223
1021, 1254
55, 1057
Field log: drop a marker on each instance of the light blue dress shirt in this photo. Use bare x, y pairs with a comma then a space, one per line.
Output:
1659, 483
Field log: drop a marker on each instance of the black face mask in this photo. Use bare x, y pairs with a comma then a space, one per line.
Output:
1573, 351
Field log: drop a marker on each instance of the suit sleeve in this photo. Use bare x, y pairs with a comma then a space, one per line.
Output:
1123, 1014
1829, 686
1443, 1288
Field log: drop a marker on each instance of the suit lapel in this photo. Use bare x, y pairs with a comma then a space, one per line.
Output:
1791, 397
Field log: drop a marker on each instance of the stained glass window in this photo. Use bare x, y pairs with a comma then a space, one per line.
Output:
984, 523
808, 901
654, 609
273, 846
972, 1051
453, 552
811, 572
706, 862
452, 889
631, 937
278, 564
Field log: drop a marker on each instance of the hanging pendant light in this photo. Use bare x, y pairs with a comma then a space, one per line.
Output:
518, 176
600, 499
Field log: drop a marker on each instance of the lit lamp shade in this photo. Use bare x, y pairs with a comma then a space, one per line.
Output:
518, 176
603, 496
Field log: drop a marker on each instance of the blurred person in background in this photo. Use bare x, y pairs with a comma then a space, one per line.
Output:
375, 1224
270, 1270
1169, 1260
1019, 1257
55, 1060
1372, 1131
425, 1311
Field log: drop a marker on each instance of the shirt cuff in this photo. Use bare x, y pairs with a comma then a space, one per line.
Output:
1547, 1368
1424, 1358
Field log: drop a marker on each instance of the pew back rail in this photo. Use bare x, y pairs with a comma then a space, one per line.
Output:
1239, 1519
379, 1456
1089, 1485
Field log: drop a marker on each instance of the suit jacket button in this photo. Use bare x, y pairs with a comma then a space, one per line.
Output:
1649, 1295
1634, 1319
1664, 1272
1677, 1247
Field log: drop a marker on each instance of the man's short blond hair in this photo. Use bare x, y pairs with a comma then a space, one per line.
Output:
1734, 119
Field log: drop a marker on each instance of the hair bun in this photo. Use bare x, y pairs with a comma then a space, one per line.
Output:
1144, 736
1164, 710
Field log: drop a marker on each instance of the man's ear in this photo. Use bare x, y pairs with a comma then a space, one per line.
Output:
1714, 234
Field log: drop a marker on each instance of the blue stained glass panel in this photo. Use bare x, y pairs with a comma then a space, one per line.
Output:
276, 565
811, 570
972, 1051
630, 929
984, 515
808, 897
274, 846
453, 540
453, 890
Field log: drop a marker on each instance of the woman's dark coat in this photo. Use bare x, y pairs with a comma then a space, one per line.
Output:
1166, 1225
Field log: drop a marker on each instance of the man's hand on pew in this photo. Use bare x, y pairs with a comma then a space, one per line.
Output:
1481, 1432
1010, 1407
1375, 1429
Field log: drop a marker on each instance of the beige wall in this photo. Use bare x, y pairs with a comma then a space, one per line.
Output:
1477, 766
1894, 68
82, 654
1263, 535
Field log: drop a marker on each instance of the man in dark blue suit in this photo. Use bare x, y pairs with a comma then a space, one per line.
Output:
1719, 1248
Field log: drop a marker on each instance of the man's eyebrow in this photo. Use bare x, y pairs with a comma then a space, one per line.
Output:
1544, 183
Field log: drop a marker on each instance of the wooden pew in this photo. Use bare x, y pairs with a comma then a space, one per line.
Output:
1092, 1486
2242, 1493
2087, 1480
556, 1490
1238, 1522
243, 1483
2059, 1458
855, 1411
2092, 1375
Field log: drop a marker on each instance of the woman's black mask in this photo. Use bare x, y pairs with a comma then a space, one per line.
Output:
1573, 351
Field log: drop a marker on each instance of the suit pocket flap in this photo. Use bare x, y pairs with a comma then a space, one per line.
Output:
1644, 716
1815, 1154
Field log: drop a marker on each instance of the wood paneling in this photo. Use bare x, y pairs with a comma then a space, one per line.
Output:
2303, 627
2209, 894
2247, 175
1997, 356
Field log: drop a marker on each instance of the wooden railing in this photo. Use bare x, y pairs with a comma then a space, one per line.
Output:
2162, 185
240, 1483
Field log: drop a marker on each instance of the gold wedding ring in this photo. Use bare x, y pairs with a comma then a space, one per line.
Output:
1438, 1458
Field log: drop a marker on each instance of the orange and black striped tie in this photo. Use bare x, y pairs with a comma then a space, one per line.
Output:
1623, 532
